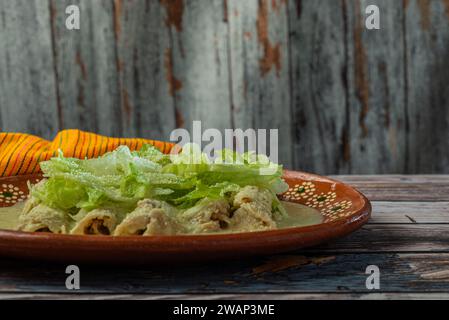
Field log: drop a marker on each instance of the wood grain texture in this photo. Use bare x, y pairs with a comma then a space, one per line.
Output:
259, 68
232, 296
86, 68
401, 187
345, 99
199, 63
409, 212
393, 238
144, 67
376, 88
407, 240
338, 273
320, 104
426, 29
28, 95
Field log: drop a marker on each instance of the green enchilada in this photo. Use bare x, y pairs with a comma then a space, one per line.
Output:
150, 193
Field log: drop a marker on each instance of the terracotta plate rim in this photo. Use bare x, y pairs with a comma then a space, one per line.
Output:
352, 223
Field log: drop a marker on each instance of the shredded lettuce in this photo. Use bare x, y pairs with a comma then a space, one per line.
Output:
122, 177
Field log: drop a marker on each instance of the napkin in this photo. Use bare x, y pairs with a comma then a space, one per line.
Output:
20, 153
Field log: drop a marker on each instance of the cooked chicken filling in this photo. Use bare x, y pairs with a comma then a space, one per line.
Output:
251, 217
97, 227
151, 217
250, 209
207, 216
252, 194
96, 222
41, 218
253, 210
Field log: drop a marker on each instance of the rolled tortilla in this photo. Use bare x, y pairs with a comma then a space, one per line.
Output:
96, 222
149, 218
250, 194
41, 218
253, 211
31, 203
252, 216
207, 216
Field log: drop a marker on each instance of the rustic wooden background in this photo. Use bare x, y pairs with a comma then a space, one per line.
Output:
345, 99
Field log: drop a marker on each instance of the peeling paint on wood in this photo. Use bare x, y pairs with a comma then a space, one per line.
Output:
79, 61
424, 9
279, 263
446, 7
256, 96
345, 99
376, 89
174, 83
276, 5
86, 68
436, 275
322, 86
147, 106
117, 15
199, 59
271, 53
428, 103
179, 119
284, 262
174, 10
28, 94
225, 11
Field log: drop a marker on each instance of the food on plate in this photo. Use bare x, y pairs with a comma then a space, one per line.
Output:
148, 193
42, 218
97, 221
151, 217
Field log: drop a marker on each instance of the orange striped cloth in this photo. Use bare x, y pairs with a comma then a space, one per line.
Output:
21, 153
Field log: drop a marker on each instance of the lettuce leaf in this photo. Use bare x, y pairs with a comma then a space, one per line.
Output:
122, 177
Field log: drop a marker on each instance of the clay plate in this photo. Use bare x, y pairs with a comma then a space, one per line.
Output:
344, 208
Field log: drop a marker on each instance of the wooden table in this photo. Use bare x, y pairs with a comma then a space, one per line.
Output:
407, 238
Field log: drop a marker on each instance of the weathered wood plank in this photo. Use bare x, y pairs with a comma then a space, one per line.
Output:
347, 99
400, 188
376, 88
409, 212
28, 96
146, 79
349, 92
395, 178
319, 83
399, 192
259, 69
86, 66
392, 238
198, 59
344, 273
243, 296
426, 28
